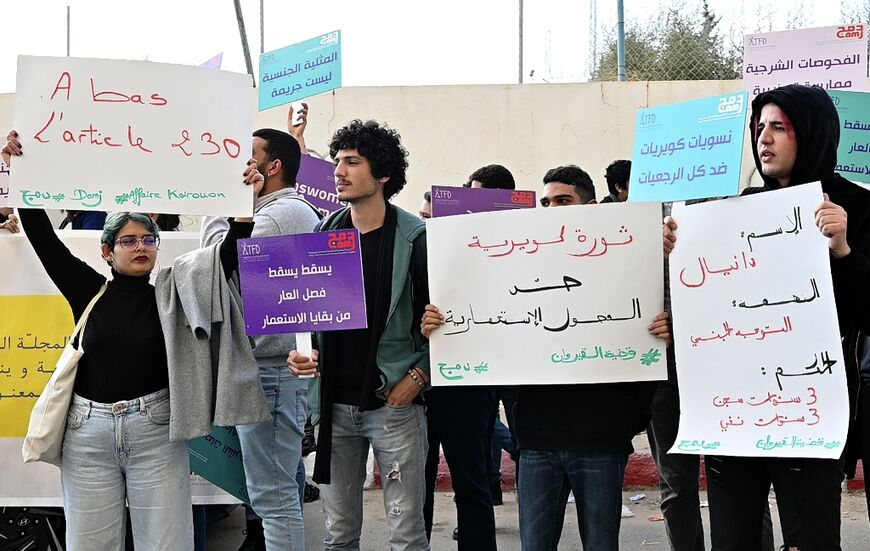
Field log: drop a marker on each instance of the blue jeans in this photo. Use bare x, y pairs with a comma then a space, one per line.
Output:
502, 439
122, 450
398, 438
271, 453
545, 480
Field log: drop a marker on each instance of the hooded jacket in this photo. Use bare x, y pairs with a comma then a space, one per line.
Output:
817, 130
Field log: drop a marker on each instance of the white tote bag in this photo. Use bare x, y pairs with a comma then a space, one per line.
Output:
44, 440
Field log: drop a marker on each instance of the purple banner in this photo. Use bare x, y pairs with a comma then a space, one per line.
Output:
304, 282
316, 183
448, 201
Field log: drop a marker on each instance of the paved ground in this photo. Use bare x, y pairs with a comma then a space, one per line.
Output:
636, 533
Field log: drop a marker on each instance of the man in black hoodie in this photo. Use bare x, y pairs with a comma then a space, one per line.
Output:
795, 131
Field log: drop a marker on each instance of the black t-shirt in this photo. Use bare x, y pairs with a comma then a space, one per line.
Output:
124, 349
352, 346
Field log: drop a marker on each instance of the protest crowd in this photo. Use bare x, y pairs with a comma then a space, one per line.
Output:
162, 354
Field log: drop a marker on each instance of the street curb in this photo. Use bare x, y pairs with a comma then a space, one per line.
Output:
640, 473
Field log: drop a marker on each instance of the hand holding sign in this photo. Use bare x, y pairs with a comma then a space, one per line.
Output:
303, 366
831, 220
12, 147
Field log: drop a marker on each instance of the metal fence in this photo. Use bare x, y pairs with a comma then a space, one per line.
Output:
689, 43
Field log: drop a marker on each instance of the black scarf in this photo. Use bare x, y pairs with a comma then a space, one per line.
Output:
329, 343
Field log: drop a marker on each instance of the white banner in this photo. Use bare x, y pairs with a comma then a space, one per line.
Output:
834, 58
131, 135
33, 332
4, 184
757, 341
547, 296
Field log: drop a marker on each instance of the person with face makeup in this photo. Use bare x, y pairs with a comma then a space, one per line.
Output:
117, 443
795, 131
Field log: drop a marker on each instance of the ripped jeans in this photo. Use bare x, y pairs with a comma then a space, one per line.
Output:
398, 438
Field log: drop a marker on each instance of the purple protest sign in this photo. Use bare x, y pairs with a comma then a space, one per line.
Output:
304, 282
448, 201
316, 183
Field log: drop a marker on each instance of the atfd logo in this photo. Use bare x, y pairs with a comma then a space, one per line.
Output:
345, 240
526, 198
850, 31
441, 194
647, 119
250, 249
757, 41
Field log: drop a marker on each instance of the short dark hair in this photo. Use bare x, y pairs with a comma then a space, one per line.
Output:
284, 147
380, 145
493, 177
168, 222
575, 176
617, 173
427, 196
117, 220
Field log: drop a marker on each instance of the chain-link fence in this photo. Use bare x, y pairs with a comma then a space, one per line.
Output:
688, 43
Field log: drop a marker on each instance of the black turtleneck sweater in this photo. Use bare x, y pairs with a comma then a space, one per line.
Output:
125, 354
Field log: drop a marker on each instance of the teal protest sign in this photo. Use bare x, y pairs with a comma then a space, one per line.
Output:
853, 154
689, 150
218, 459
300, 70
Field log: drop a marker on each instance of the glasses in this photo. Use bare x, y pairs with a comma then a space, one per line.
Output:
149, 242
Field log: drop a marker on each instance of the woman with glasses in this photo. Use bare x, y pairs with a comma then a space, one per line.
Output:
117, 443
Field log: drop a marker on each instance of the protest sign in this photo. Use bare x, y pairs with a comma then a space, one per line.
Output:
316, 182
301, 283
831, 57
755, 328
32, 337
449, 201
131, 135
689, 150
547, 296
218, 458
214, 62
853, 153
4, 184
300, 70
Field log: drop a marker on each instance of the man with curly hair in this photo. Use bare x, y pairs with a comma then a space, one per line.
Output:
368, 381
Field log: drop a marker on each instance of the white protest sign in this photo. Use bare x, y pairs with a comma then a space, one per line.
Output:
757, 342
834, 58
143, 136
32, 336
547, 296
4, 184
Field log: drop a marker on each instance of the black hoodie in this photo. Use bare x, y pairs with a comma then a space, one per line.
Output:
817, 131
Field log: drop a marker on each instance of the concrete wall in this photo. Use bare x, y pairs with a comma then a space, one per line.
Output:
452, 130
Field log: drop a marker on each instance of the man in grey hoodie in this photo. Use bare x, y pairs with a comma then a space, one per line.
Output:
272, 451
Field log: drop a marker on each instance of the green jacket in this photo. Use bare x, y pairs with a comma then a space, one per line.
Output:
401, 346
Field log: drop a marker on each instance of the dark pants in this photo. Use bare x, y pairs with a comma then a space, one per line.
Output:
678, 472
679, 477
460, 418
807, 494
863, 429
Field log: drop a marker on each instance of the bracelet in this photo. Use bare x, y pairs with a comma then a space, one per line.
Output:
420, 373
416, 378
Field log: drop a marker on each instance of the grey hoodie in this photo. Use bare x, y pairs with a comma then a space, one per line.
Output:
282, 212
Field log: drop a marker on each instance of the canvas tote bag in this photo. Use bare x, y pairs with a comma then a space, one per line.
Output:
44, 439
